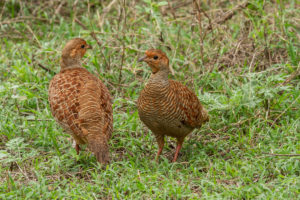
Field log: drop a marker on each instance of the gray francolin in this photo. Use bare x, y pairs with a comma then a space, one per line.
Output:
167, 107
81, 103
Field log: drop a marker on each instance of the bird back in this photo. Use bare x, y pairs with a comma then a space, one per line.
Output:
81, 104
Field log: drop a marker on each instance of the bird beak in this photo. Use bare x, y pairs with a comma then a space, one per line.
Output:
141, 59
89, 47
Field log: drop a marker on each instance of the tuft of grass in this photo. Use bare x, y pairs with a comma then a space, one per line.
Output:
245, 71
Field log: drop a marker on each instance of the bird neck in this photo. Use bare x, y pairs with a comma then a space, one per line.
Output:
161, 77
67, 63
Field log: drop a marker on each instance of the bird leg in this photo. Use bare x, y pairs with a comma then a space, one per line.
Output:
161, 142
77, 148
179, 145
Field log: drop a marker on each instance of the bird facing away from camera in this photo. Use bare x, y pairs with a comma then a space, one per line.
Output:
81, 103
166, 106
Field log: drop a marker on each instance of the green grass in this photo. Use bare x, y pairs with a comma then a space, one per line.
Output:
242, 71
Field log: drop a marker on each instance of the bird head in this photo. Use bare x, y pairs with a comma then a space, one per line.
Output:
73, 52
156, 59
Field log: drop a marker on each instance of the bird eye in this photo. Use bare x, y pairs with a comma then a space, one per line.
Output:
155, 57
82, 46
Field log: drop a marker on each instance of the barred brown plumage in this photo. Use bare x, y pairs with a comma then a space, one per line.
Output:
167, 107
81, 103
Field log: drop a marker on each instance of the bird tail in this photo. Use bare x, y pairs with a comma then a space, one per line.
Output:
100, 148
205, 115
97, 140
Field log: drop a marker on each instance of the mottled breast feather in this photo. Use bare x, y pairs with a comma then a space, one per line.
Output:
164, 108
79, 99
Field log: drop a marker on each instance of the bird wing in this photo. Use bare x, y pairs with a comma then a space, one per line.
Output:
95, 112
95, 117
193, 113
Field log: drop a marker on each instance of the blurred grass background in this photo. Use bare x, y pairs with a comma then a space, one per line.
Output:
240, 57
